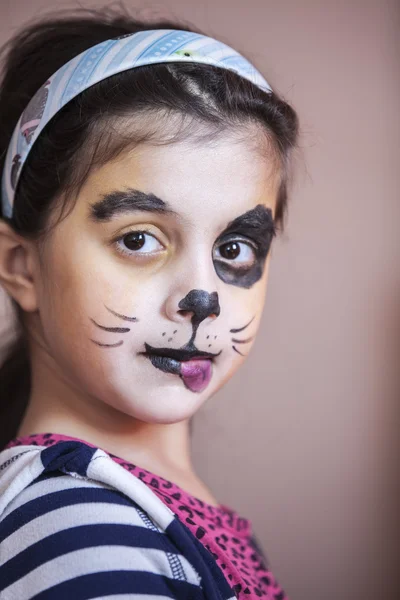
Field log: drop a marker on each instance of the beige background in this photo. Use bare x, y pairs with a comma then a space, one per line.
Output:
304, 439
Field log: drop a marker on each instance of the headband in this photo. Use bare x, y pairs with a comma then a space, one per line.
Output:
101, 61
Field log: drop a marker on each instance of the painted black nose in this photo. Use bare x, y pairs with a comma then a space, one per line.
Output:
201, 303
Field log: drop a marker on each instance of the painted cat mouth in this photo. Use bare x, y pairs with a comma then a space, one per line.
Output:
193, 366
179, 354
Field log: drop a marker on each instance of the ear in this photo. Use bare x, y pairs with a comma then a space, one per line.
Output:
17, 267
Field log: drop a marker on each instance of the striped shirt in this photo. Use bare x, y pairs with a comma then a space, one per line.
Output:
81, 554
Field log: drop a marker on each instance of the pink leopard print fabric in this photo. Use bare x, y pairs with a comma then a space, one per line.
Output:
221, 530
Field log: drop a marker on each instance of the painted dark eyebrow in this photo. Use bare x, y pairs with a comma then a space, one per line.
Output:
257, 219
125, 201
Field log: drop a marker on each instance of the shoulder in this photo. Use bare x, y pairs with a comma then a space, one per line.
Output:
68, 537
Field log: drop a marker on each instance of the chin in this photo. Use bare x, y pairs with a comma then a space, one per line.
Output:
160, 405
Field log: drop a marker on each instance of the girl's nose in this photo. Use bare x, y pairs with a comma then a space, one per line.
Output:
195, 306
201, 303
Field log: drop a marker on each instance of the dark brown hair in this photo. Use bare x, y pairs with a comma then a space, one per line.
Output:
88, 131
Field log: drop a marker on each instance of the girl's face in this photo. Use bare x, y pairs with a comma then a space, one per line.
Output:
155, 282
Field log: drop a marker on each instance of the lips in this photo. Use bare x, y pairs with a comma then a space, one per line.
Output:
193, 366
179, 353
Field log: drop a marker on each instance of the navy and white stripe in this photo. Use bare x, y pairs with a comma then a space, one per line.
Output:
74, 524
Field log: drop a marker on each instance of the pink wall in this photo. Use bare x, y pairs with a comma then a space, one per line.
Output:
303, 439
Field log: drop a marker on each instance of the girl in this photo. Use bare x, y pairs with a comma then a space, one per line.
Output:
145, 174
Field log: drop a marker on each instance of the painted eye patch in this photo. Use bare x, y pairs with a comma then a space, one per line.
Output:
258, 226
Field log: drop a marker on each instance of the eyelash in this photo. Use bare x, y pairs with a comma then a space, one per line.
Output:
247, 243
144, 255
137, 253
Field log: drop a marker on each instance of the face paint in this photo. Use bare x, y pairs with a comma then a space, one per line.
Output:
193, 366
195, 373
113, 329
237, 341
257, 225
241, 328
149, 328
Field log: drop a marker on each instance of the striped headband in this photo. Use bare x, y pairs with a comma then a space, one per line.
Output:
101, 61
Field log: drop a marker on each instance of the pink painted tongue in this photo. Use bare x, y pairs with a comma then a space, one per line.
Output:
196, 373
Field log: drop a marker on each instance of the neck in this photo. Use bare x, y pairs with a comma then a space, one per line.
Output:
55, 407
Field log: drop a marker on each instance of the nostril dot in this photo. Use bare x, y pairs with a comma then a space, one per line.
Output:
184, 313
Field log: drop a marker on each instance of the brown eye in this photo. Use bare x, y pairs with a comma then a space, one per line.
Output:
139, 243
230, 250
134, 240
241, 254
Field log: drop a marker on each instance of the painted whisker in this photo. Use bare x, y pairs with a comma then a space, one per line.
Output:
122, 316
112, 329
236, 350
108, 345
242, 341
241, 328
